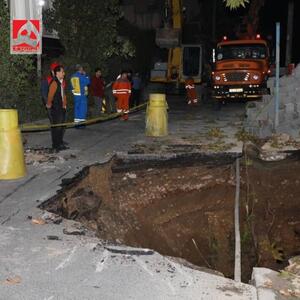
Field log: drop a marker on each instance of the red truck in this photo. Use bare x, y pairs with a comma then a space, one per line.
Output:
241, 69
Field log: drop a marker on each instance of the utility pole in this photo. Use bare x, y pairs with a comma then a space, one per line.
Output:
214, 12
277, 98
40, 6
29, 12
289, 35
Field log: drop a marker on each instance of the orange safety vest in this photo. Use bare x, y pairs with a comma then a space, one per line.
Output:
122, 91
121, 87
191, 91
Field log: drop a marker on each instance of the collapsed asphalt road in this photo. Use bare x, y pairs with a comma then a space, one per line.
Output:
39, 261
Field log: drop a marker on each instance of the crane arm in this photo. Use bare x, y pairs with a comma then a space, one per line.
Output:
170, 35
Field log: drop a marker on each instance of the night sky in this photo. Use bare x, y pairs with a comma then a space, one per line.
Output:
277, 11
273, 11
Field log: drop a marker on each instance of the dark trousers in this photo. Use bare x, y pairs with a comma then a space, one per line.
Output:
135, 97
47, 110
110, 102
57, 133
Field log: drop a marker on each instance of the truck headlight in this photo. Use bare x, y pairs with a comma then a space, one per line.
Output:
217, 78
255, 77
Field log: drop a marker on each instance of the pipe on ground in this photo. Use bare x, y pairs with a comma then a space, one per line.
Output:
237, 259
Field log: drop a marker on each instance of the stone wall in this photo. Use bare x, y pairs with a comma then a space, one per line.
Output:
261, 114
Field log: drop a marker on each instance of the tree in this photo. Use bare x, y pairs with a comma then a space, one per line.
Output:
16, 71
233, 4
253, 14
88, 30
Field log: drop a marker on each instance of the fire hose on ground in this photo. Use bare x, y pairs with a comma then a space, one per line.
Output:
45, 127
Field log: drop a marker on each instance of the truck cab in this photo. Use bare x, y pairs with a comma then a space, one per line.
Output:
241, 69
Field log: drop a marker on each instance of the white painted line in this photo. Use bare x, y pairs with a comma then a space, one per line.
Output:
101, 264
66, 260
143, 265
180, 269
50, 298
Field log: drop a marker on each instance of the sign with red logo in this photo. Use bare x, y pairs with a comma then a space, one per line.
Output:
26, 37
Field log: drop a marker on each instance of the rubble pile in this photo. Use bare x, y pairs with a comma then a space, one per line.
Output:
261, 114
40, 156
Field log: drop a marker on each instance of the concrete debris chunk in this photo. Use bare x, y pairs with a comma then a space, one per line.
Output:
279, 284
294, 266
51, 218
278, 147
38, 221
53, 238
273, 156
129, 250
12, 280
131, 175
74, 230
261, 114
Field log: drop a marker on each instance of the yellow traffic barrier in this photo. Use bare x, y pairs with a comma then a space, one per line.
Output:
157, 116
12, 165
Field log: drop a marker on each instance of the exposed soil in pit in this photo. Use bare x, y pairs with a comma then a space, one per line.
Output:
187, 210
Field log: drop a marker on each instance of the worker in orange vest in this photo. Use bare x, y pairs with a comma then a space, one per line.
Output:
122, 91
191, 91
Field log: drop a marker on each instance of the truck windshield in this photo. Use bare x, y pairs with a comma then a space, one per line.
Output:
253, 51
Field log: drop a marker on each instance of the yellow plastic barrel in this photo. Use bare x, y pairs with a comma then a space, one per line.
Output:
12, 165
157, 116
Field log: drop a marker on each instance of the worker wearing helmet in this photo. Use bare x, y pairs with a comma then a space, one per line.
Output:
191, 91
57, 104
122, 91
52, 68
79, 84
46, 82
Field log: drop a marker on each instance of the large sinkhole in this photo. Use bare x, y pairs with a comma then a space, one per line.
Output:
184, 208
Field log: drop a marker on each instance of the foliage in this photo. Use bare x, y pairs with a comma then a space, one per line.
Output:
219, 146
144, 44
234, 4
215, 133
244, 136
88, 30
17, 74
246, 236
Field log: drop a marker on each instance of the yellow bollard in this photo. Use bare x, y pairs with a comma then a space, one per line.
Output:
103, 107
157, 116
12, 165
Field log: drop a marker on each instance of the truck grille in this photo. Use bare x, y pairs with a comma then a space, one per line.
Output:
235, 76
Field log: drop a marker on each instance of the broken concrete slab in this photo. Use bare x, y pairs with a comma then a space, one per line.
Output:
73, 269
288, 108
275, 285
69, 268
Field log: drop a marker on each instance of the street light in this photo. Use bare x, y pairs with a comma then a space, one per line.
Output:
41, 2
